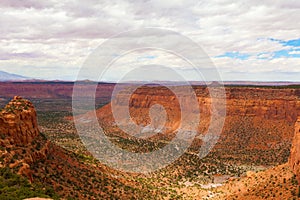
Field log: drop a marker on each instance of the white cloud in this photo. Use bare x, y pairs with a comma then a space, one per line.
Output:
294, 52
54, 35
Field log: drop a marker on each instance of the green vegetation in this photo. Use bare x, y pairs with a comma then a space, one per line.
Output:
14, 187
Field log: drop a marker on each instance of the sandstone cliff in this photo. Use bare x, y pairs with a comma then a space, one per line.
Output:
18, 122
259, 121
294, 160
266, 103
263, 103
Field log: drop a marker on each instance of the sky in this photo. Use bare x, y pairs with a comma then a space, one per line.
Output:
246, 40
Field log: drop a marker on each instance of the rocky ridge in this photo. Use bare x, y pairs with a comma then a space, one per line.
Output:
294, 160
18, 127
27, 152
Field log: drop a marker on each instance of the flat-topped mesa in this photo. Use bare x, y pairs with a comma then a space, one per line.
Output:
18, 121
294, 160
267, 103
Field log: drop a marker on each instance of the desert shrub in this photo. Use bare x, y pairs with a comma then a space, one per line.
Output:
14, 187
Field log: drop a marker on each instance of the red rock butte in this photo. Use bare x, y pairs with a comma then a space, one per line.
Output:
18, 120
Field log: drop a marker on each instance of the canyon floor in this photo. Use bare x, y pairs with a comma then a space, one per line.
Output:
248, 162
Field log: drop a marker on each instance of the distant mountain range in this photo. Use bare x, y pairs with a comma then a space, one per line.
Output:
4, 76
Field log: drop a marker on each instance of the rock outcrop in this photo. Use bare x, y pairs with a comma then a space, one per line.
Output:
18, 121
294, 160
20, 139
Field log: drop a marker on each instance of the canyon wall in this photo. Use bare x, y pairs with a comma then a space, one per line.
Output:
268, 103
258, 127
277, 104
264, 103
294, 160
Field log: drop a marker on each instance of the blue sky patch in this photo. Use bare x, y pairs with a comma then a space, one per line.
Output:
293, 50
286, 53
292, 43
235, 55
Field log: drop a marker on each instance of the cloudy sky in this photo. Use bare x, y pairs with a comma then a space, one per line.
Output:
246, 40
